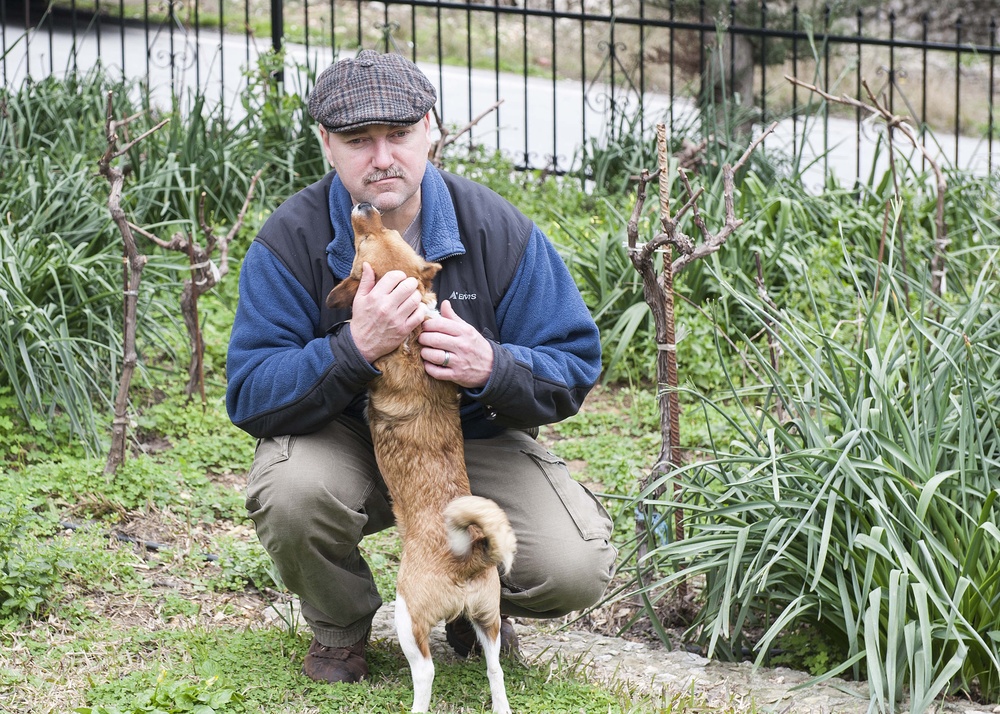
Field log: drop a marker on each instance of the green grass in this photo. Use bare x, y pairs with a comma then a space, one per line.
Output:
127, 627
255, 670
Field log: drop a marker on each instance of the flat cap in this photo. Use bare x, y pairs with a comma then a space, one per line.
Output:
372, 88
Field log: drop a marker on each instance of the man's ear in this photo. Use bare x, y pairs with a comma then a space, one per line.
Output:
343, 293
324, 140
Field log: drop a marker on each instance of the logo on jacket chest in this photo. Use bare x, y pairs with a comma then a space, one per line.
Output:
455, 295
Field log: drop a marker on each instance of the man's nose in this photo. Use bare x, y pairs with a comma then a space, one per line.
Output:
382, 155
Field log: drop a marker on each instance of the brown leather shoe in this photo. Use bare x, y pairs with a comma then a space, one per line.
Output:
336, 664
462, 637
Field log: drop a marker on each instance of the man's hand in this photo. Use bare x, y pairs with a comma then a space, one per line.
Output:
384, 313
455, 351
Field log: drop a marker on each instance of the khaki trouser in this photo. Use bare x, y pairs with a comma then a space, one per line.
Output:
314, 497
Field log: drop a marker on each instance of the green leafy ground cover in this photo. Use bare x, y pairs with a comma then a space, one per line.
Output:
93, 621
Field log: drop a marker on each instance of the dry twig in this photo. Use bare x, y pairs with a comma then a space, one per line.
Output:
205, 275
446, 138
692, 155
893, 122
774, 347
132, 265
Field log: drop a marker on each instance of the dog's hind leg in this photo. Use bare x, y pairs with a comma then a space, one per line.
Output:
491, 653
417, 654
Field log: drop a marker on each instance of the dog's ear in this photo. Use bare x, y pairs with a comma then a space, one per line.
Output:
343, 293
427, 273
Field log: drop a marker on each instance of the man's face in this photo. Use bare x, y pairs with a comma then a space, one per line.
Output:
381, 165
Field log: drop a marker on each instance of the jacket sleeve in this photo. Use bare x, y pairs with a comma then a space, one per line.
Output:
548, 356
283, 377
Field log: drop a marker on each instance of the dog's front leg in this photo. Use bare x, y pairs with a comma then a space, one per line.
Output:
421, 665
491, 653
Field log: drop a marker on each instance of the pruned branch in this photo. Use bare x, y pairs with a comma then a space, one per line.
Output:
692, 155
132, 265
696, 218
671, 235
212, 241
205, 274
632, 228
774, 347
713, 242
446, 138
902, 123
177, 240
658, 292
125, 149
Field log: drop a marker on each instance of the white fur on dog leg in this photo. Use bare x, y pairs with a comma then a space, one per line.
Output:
421, 668
491, 653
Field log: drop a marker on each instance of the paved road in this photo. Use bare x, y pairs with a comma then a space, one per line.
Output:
522, 126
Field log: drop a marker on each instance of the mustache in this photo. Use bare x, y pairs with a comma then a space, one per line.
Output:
391, 172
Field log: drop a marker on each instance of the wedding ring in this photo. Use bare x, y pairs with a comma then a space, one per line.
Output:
447, 358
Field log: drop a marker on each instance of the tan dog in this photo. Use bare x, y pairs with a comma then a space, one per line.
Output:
452, 541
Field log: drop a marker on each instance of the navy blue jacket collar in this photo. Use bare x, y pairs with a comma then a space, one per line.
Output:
438, 223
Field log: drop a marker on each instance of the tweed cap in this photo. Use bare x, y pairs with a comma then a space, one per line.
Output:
372, 88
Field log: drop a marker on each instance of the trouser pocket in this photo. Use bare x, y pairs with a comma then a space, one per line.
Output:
588, 514
269, 452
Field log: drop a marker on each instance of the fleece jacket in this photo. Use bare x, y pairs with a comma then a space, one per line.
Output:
293, 366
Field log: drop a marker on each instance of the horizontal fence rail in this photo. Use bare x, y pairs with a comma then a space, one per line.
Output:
552, 77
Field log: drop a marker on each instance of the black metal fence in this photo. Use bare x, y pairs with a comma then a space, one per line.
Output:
553, 76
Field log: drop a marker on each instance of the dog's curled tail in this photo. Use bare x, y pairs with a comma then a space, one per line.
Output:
479, 533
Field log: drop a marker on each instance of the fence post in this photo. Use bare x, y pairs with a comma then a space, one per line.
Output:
277, 34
